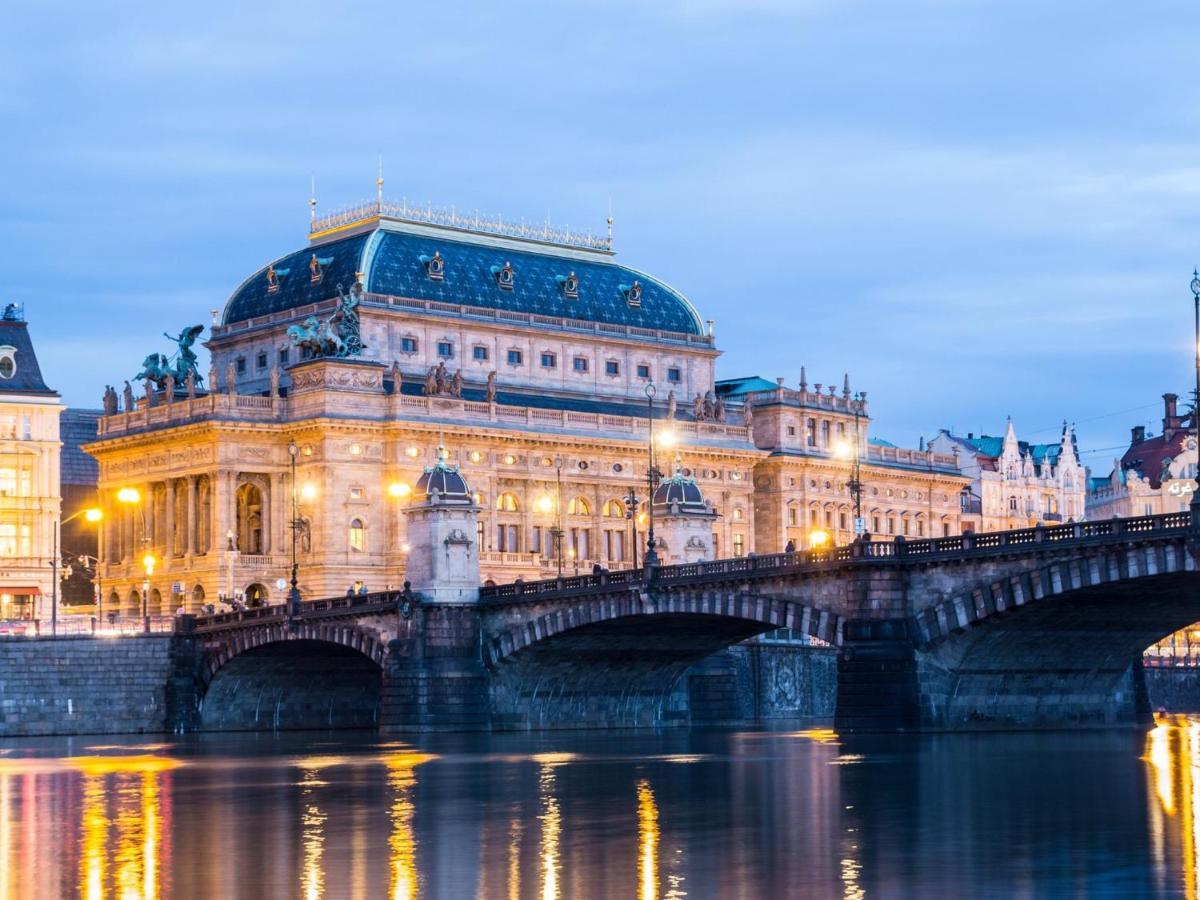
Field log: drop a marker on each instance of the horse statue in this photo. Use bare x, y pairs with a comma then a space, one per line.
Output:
154, 368
157, 366
317, 336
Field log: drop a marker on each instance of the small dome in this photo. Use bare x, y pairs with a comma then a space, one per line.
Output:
680, 492
446, 480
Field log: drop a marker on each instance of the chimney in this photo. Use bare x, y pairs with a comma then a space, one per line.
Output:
970, 435
1139, 434
1171, 420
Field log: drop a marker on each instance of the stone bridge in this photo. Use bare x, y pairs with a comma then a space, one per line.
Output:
1041, 627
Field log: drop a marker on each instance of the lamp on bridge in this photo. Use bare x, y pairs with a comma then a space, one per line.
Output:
818, 539
844, 449
1195, 286
148, 564
92, 515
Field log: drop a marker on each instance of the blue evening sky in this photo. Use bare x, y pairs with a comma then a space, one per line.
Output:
976, 207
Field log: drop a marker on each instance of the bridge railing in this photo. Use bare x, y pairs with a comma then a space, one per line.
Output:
359, 603
898, 549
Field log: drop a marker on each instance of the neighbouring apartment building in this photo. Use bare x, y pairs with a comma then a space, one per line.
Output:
1014, 483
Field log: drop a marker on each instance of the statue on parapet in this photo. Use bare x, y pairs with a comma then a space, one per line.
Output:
110, 400
671, 405
127, 394
491, 387
157, 366
440, 383
337, 334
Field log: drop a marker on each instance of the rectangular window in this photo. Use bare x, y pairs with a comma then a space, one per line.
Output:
408, 345
480, 353
445, 349
791, 430
875, 524
674, 376
611, 367
535, 539
793, 516
514, 357
811, 433
842, 521
945, 529
261, 360
240, 365
739, 545
26, 427
549, 360
581, 364
643, 371
284, 355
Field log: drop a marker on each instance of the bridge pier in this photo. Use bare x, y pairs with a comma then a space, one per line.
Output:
878, 686
433, 676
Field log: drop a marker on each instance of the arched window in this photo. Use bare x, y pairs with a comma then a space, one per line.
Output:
250, 518
579, 507
614, 509
358, 535
1012, 504
507, 502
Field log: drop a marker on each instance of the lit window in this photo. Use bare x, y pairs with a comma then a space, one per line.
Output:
739, 545
514, 357
408, 345
358, 535
614, 509
579, 507
507, 503
612, 367
445, 349
581, 364
738, 515
549, 360
674, 376
480, 353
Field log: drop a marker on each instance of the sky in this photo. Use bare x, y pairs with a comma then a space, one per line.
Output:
976, 208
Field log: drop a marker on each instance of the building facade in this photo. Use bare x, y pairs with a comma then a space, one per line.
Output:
1155, 475
1016, 484
536, 360
29, 474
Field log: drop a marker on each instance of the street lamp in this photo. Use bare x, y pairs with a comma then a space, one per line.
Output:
148, 563
1195, 286
652, 474
91, 514
845, 450
631, 505
818, 538
294, 594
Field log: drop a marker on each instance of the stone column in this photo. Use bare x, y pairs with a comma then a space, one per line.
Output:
190, 540
169, 523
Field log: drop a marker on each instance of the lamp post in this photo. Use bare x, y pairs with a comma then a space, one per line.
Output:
294, 593
133, 497
651, 474
1195, 286
631, 505
856, 467
93, 515
556, 532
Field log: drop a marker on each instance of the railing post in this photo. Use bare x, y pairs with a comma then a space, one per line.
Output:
968, 540
1039, 533
901, 546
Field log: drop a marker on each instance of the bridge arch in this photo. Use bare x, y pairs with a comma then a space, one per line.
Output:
617, 660
317, 676
1060, 644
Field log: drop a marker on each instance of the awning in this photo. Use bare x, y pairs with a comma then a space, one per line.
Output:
7, 589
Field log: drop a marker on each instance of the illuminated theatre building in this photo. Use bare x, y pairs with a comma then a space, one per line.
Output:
556, 344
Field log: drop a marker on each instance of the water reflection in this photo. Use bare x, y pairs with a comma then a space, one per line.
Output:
657, 817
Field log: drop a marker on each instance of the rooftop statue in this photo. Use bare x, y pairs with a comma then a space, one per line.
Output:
157, 366
337, 334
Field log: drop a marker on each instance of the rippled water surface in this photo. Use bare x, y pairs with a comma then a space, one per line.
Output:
585, 815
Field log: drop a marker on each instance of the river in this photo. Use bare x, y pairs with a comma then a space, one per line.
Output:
653, 816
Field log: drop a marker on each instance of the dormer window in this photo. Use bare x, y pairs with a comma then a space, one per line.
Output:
316, 267
569, 285
633, 294
435, 266
8, 362
504, 276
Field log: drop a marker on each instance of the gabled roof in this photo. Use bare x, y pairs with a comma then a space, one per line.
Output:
1147, 457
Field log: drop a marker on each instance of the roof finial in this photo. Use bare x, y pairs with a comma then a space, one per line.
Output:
379, 183
610, 223
846, 386
803, 380
312, 200
678, 462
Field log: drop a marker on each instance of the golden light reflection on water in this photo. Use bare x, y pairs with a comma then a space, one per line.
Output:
514, 857
647, 842
1173, 760
550, 818
312, 875
402, 844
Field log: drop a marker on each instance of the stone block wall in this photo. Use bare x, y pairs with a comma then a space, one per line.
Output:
84, 685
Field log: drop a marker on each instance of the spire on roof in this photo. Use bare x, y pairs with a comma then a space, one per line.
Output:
846, 386
379, 182
312, 200
803, 380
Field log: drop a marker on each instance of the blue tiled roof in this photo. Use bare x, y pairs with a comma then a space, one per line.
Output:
27, 377
393, 264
